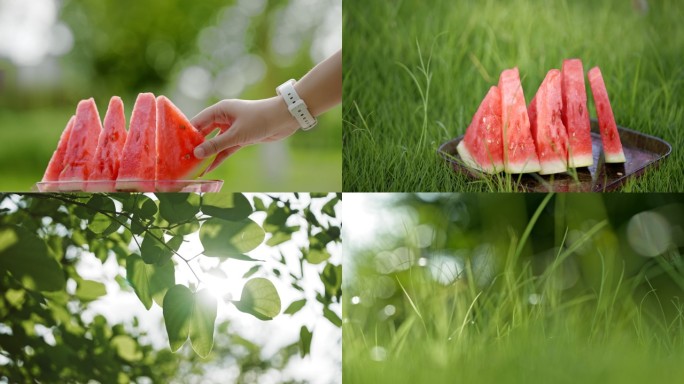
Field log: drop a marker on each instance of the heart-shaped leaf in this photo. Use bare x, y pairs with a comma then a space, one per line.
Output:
260, 299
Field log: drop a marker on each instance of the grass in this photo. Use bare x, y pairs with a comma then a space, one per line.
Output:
415, 74
526, 324
307, 163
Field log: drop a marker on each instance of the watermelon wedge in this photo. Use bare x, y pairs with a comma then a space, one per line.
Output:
612, 147
78, 160
520, 155
110, 146
575, 115
56, 164
547, 126
176, 141
482, 145
138, 160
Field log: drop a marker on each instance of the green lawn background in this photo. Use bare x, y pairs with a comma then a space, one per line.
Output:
464, 46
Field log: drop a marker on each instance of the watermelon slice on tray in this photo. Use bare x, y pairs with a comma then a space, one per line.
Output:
547, 126
56, 164
109, 147
612, 147
520, 154
80, 154
482, 146
575, 114
176, 141
139, 158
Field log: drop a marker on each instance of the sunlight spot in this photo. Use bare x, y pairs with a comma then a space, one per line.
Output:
378, 353
424, 235
355, 300
422, 262
649, 233
534, 298
445, 268
389, 310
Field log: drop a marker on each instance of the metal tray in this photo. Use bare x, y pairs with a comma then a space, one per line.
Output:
641, 151
196, 186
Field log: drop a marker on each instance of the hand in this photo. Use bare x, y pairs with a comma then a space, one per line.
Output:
242, 122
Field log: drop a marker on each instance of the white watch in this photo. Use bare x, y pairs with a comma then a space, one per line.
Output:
296, 105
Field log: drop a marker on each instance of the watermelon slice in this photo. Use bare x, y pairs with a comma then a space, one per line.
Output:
547, 126
176, 141
612, 147
56, 164
138, 160
482, 145
520, 155
110, 146
575, 115
78, 160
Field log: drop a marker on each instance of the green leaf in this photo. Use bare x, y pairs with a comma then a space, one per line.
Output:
148, 208
178, 207
202, 323
231, 207
329, 207
222, 238
332, 316
127, 348
191, 226
101, 223
295, 307
152, 248
8, 237
332, 279
88, 290
260, 299
150, 281
178, 305
317, 256
28, 260
251, 271
305, 337
187, 314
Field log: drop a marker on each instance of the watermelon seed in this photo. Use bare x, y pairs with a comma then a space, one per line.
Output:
186, 157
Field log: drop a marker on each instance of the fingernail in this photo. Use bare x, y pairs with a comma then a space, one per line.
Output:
199, 152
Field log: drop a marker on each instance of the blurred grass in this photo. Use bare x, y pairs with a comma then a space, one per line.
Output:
29, 138
526, 323
391, 133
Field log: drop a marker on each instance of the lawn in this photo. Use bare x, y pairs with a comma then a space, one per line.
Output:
310, 162
557, 293
415, 74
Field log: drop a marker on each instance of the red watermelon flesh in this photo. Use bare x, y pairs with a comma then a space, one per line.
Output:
78, 160
575, 114
56, 164
111, 144
612, 147
520, 155
547, 126
176, 141
482, 145
138, 160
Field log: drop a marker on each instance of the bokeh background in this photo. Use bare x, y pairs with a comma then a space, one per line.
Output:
513, 288
54, 53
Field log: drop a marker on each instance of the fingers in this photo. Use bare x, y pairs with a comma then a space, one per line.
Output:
219, 115
222, 156
230, 138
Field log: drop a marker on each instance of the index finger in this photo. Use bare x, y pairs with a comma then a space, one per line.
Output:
212, 117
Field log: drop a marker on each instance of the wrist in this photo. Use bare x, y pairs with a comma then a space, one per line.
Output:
296, 105
281, 116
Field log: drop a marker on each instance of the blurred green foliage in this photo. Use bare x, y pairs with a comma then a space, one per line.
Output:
516, 288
